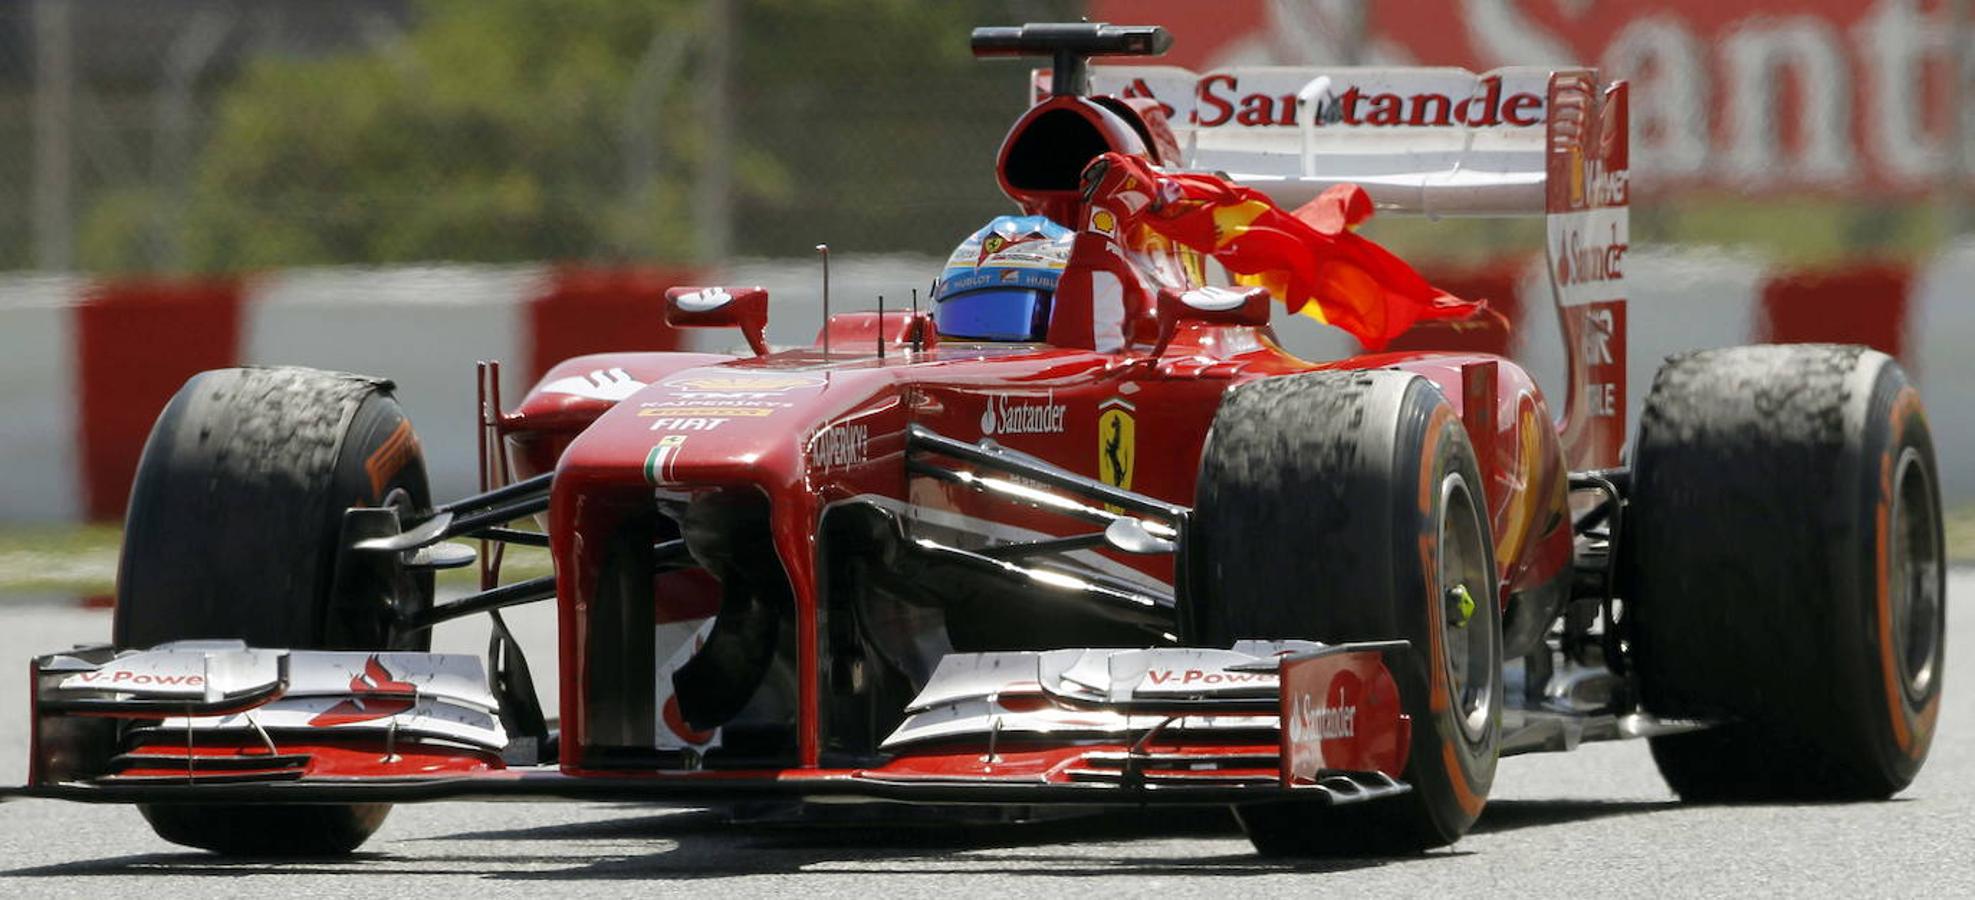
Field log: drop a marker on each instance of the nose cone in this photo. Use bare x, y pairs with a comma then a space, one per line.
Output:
718, 426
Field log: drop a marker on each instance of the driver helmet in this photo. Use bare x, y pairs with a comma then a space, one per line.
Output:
998, 283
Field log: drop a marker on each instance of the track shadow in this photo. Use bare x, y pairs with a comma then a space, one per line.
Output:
705, 845
1058, 848
1510, 815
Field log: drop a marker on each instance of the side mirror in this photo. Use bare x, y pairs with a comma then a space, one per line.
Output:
1218, 305
745, 308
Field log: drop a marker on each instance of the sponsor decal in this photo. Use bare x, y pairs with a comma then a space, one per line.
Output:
841, 445
378, 695
1593, 184
719, 412
1312, 722
600, 384
1138, 89
384, 462
658, 462
746, 383
100, 678
723, 398
1001, 250
1222, 99
1842, 96
1205, 677
1587, 254
1117, 443
1012, 415
686, 423
1320, 701
1104, 222
1600, 347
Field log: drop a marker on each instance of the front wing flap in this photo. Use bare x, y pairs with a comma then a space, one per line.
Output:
198, 712
221, 722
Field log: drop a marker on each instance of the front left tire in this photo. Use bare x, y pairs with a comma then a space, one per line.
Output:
232, 532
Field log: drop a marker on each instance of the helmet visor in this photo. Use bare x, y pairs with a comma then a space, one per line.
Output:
994, 314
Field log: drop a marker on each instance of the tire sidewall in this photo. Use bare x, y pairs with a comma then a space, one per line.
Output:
1317, 516
381, 455
1444, 763
1899, 729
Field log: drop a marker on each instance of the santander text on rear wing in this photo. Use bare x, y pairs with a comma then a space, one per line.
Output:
1519, 141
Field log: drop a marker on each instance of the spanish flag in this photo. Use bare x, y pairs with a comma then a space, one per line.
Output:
1310, 259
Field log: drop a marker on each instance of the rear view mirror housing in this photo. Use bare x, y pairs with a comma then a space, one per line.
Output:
745, 308
1217, 305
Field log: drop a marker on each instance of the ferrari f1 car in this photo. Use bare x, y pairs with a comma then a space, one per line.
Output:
1095, 541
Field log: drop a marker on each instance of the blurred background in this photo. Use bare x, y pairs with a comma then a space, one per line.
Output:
221, 136
406, 186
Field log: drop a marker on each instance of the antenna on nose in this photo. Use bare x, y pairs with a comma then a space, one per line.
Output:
823, 250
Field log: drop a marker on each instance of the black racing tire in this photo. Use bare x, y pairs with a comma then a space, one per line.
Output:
232, 532
1784, 573
1338, 506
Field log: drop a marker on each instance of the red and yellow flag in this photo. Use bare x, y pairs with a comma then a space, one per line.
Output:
1310, 259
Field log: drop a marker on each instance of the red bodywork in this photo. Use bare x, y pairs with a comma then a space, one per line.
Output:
783, 448
601, 478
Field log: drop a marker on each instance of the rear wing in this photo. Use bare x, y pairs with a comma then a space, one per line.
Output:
1519, 141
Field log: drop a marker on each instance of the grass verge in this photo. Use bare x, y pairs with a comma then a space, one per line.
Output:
83, 560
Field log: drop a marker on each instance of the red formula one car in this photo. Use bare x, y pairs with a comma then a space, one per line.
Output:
1084, 535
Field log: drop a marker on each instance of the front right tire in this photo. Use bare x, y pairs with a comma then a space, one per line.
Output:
1348, 506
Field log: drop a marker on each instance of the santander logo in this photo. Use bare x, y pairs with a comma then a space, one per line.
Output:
378, 695
1583, 259
1007, 416
1222, 99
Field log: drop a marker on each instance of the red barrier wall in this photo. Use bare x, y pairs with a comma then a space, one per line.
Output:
136, 343
1863, 305
594, 311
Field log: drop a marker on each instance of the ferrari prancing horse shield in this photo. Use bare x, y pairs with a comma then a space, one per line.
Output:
1117, 444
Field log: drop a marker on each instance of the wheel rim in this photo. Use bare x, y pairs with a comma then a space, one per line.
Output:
1466, 635
1914, 576
406, 586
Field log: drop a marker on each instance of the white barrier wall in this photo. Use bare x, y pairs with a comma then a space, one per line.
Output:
424, 328
1941, 330
39, 479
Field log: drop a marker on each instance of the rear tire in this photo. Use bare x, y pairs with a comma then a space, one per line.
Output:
232, 532
1345, 506
1784, 573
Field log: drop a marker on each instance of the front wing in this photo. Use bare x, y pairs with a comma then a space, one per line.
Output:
218, 722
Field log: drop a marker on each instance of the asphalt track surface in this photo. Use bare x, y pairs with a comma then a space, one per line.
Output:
1597, 821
